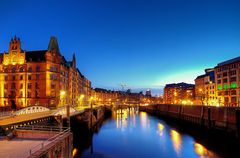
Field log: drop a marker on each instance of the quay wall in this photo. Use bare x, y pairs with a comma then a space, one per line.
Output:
225, 118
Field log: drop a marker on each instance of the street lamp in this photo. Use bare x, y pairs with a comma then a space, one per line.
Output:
62, 95
81, 99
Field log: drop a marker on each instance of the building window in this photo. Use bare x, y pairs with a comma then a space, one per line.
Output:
13, 78
30, 69
233, 72
29, 94
29, 86
224, 74
52, 86
38, 68
13, 69
21, 94
29, 77
36, 94
13, 86
21, 86
233, 79
219, 81
219, 76
5, 78
225, 80
5, 70
233, 92
36, 85
21, 69
5, 86
53, 93
233, 99
37, 76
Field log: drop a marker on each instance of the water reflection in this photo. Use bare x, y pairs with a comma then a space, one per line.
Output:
160, 129
176, 140
201, 151
144, 119
125, 135
121, 118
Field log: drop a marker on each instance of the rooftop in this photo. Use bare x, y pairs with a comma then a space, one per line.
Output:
229, 61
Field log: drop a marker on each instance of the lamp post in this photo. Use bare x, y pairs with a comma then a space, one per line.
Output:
63, 94
81, 99
91, 111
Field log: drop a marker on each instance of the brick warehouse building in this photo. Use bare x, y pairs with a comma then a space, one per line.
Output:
38, 77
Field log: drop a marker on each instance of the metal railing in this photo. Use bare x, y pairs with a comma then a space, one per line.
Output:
6, 114
63, 131
43, 128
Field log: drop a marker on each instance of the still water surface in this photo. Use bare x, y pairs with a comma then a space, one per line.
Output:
133, 134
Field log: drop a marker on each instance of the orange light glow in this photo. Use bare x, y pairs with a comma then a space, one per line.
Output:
177, 140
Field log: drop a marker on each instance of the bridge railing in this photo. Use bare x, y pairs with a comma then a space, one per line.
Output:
63, 131
43, 128
6, 114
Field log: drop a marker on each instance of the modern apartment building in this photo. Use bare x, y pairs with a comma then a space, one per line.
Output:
205, 89
227, 76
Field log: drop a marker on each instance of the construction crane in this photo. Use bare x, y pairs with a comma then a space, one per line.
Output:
123, 86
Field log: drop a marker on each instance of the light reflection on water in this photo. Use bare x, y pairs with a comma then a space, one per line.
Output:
131, 134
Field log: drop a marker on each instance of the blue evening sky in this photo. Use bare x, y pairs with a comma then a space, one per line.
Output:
142, 43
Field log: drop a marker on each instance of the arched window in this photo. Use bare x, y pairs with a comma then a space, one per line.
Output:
14, 69
21, 69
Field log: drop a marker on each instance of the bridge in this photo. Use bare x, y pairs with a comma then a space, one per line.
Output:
32, 115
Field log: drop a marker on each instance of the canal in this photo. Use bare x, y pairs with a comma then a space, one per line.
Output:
133, 134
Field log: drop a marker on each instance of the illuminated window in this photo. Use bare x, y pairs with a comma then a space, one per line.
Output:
225, 86
233, 85
219, 87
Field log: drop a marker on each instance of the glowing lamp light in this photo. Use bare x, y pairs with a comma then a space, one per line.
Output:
62, 93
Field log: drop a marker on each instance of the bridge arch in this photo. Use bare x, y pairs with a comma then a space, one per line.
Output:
30, 110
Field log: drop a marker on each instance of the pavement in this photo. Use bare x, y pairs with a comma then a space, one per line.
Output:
17, 147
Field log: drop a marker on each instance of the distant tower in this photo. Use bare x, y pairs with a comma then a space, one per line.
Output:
148, 93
